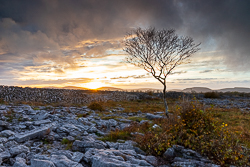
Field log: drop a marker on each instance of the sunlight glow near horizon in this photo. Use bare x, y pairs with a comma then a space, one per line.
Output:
93, 85
111, 71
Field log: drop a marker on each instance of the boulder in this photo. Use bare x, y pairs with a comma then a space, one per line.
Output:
84, 145
169, 154
63, 161
20, 162
4, 124
77, 156
18, 150
36, 133
7, 133
41, 163
152, 116
113, 158
5, 154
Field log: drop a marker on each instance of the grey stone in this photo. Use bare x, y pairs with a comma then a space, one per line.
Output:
36, 133
113, 122
98, 161
113, 158
143, 121
10, 144
92, 130
46, 121
7, 133
152, 160
5, 154
41, 163
183, 162
139, 151
70, 138
85, 133
27, 108
22, 155
63, 161
67, 153
152, 116
18, 150
62, 130
2, 107
20, 162
3, 139
4, 124
41, 116
169, 154
77, 156
124, 125
83, 145
125, 120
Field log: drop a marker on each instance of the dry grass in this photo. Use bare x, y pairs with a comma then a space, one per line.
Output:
145, 106
216, 133
237, 121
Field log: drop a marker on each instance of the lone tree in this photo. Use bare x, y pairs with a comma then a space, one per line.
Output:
158, 52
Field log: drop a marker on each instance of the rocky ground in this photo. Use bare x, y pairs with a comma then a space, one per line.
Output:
56, 137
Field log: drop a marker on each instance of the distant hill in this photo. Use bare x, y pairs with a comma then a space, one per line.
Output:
174, 90
197, 89
109, 88
74, 87
235, 89
187, 90
148, 89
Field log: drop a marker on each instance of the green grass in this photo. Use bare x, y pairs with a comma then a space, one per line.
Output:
67, 143
113, 136
137, 119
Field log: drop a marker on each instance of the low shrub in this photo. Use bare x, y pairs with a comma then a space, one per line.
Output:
195, 129
113, 136
211, 95
82, 115
96, 106
68, 143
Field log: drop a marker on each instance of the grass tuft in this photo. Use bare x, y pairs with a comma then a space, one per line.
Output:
96, 106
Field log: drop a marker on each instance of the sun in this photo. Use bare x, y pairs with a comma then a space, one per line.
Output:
93, 85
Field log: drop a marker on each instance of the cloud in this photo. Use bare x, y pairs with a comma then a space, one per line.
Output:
57, 82
223, 25
58, 34
195, 79
131, 76
206, 71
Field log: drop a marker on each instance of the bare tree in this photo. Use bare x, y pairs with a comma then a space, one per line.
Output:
158, 52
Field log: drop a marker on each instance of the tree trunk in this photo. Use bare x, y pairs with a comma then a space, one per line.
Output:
165, 100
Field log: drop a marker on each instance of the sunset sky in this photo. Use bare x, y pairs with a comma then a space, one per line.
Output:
58, 43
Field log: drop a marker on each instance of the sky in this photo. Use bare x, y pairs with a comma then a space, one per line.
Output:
59, 43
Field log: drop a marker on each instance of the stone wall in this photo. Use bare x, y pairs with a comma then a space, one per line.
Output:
66, 96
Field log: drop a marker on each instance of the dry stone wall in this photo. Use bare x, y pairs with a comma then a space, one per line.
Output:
66, 96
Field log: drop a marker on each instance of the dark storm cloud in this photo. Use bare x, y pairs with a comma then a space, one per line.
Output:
206, 71
224, 23
41, 30
45, 30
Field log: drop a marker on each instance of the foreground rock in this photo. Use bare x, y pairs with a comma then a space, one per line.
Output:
46, 136
36, 133
114, 158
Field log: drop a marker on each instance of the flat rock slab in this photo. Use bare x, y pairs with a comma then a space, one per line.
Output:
46, 121
152, 116
36, 133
